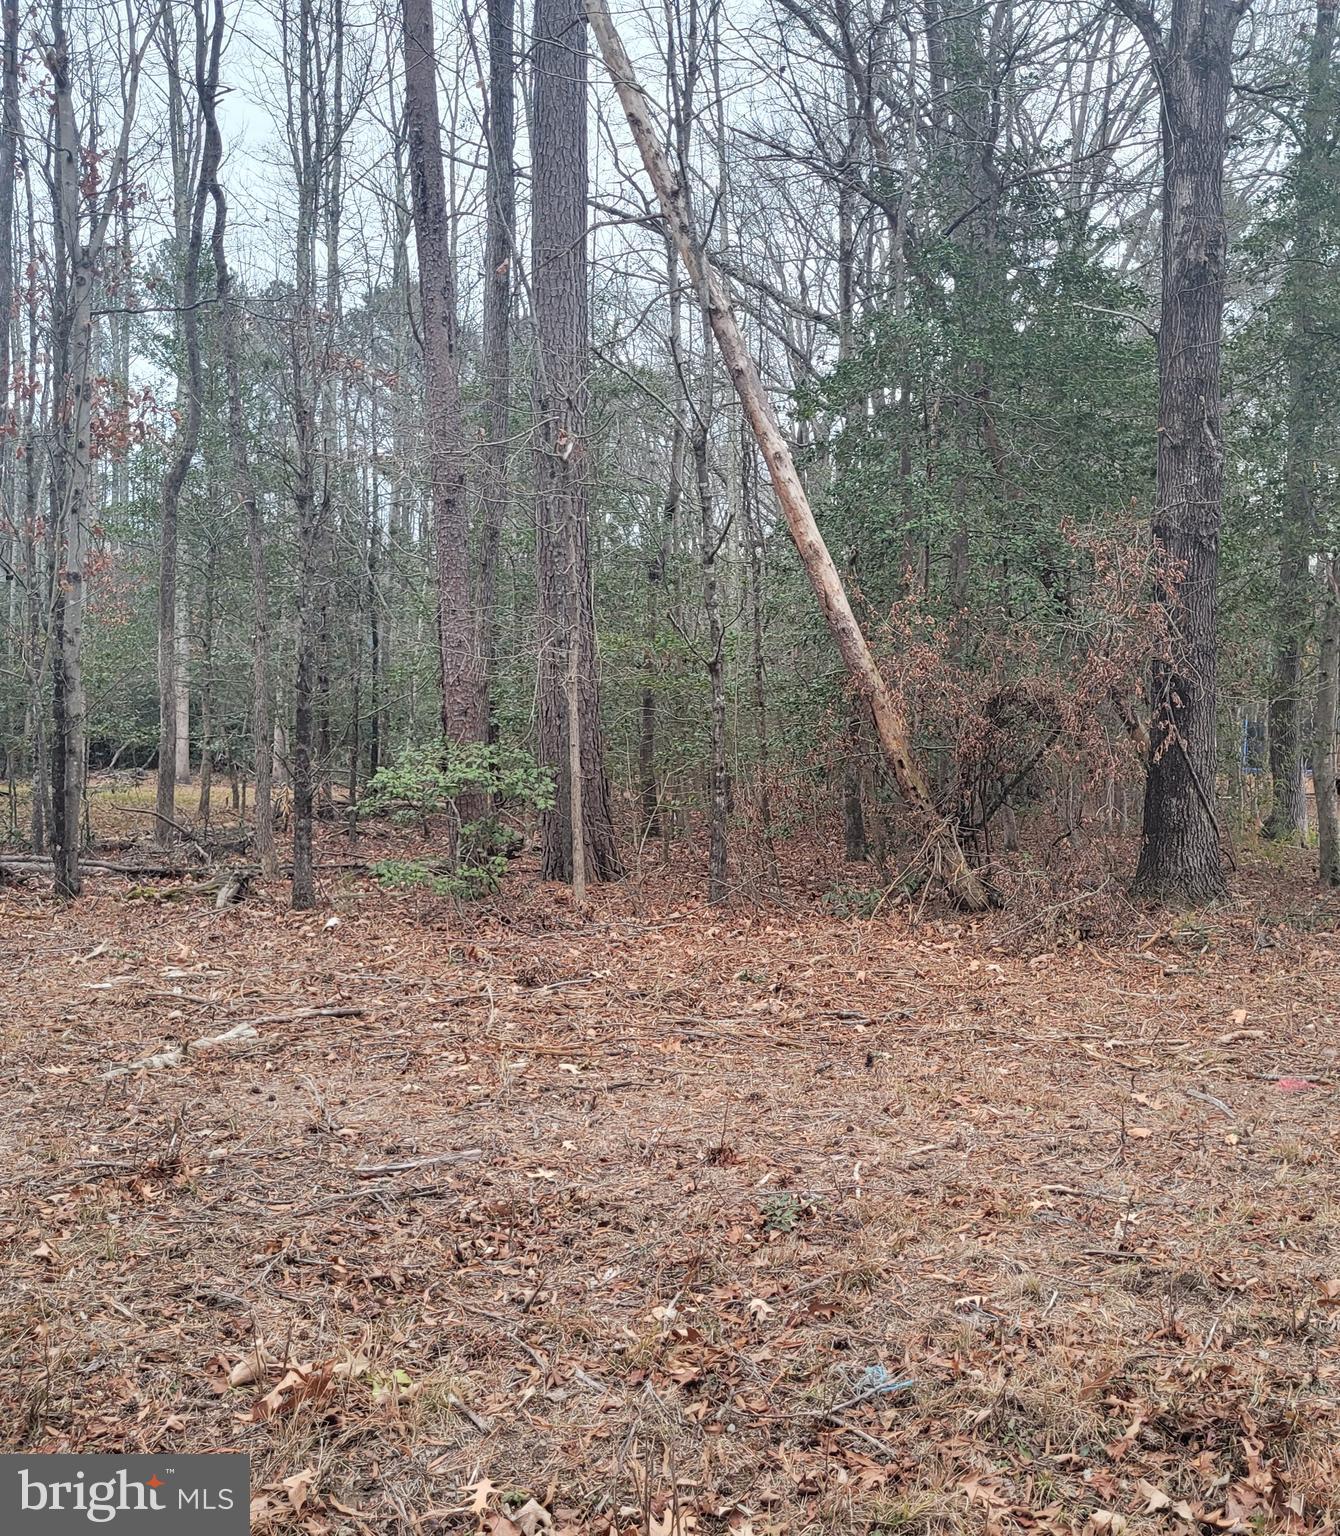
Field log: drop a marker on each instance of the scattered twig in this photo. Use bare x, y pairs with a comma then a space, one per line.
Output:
381, 1170
1209, 1098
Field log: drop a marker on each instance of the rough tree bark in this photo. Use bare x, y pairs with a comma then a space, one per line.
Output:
1315, 191
965, 885
203, 804
463, 703
36, 598
684, 53
649, 793
559, 283
712, 537
1326, 721
758, 678
307, 132
500, 234
1180, 858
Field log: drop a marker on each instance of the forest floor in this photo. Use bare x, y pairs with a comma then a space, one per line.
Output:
673, 1220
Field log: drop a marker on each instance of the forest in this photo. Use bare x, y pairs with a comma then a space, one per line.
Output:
671, 726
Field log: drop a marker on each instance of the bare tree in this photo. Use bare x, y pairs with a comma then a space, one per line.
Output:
686, 45
207, 46
1316, 187
244, 493
83, 213
463, 699
965, 884
306, 38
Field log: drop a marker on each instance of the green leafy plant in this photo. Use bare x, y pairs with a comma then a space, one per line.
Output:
844, 900
780, 1212
425, 782
469, 882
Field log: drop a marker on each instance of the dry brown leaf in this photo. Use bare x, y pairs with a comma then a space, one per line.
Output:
297, 1385
480, 1494
1118, 1448
264, 1511
673, 1522
1106, 1522
253, 1366
299, 1487
533, 1517
1155, 1498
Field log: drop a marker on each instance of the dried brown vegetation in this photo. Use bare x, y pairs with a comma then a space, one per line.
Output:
675, 1220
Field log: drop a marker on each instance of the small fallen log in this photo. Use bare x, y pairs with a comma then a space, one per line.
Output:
178, 1053
28, 864
234, 888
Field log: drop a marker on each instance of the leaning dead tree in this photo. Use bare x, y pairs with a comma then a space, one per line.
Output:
965, 885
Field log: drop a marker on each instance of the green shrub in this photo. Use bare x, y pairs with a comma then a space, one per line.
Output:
428, 781
424, 782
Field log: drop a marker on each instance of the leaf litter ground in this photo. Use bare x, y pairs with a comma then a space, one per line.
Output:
676, 1220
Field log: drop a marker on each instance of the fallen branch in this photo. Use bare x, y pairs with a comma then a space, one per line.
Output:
27, 863
179, 1053
945, 856
1209, 1098
353, 1011
380, 1170
248, 1029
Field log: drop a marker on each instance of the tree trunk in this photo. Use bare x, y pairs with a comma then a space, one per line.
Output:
717, 780
1326, 722
374, 621
649, 798
35, 578
649, 789
310, 515
500, 235
559, 282
174, 742
964, 883
1181, 859
243, 489
17, 598
81, 232
573, 702
855, 846
463, 703
1315, 190
203, 805
9, 147
753, 533
181, 751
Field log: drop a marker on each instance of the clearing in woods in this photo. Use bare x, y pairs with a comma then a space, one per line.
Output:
677, 1220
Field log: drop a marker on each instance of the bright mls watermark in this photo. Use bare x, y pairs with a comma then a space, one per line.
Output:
154, 1495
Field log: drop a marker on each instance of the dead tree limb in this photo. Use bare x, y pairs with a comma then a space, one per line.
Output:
964, 884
